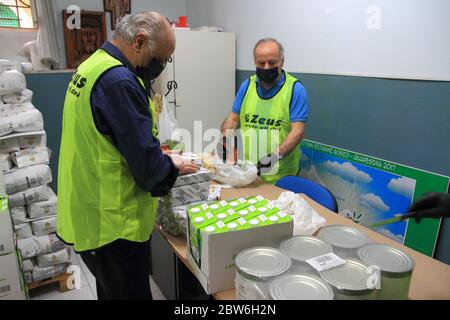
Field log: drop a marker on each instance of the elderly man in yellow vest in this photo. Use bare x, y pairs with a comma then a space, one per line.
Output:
111, 168
271, 109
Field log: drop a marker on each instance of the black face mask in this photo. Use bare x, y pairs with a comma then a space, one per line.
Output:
151, 71
267, 76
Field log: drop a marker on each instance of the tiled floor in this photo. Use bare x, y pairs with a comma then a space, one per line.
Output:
88, 289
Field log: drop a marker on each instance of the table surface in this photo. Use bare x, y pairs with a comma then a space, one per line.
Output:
430, 279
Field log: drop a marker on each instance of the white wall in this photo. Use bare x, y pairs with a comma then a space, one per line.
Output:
332, 36
12, 41
15, 39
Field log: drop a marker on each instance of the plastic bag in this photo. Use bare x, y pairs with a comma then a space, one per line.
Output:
239, 175
306, 220
167, 122
171, 219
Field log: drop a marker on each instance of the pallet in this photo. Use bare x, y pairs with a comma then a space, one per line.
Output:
61, 279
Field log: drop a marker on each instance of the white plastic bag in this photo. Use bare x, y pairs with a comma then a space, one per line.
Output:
167, 122
239, 175
306, 220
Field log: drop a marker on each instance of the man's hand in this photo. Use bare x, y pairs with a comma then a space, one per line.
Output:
187, 168
183, 167
432, 205
266, 163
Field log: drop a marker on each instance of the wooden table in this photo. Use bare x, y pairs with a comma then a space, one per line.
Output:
430, 279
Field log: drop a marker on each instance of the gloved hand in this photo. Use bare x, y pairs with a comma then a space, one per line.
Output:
431, 205
266, 163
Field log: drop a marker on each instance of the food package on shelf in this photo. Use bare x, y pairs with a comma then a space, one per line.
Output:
42, 193
54, 258
31, 157
25, 95
29, 120
44, 226
30, 177
11, 81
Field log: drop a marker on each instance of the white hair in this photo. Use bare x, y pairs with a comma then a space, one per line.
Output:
260, 42
148, 23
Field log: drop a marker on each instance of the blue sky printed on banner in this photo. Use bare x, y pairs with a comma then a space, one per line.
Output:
378, 194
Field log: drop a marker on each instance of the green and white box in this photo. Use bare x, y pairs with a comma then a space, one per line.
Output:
195, 225
219, 247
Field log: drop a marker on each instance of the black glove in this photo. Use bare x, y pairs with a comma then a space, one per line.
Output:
431, 205
266, 163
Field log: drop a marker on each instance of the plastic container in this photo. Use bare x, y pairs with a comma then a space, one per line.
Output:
396, 268
256, 268
345, 240
300, 287
182, 21
302, 248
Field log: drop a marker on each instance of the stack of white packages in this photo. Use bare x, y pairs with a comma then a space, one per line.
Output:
187, 190
24, 159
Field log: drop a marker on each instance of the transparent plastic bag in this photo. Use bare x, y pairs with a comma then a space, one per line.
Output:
306, 220
167, 122
239, 175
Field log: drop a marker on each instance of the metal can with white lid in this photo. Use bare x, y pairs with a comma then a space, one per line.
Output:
299, 287
350, 281
256, 268
302, 248
396, 268
345, 240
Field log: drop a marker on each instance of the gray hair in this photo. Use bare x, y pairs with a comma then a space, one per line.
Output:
260, 42
148, 23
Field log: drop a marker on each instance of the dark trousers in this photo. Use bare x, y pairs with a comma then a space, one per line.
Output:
121, 270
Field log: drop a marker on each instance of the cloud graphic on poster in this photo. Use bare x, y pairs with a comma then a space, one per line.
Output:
304, 158
347, 171
372, 201
390, 235
403, 186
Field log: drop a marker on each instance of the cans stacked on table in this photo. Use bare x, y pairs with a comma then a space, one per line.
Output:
369, 270
24, 160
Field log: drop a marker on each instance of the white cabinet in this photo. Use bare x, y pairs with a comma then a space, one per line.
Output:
204, 67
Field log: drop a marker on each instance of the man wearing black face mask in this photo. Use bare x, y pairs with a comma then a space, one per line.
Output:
271, 109
111, 168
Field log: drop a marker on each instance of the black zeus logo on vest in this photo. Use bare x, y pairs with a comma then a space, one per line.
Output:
256, 119
78, 81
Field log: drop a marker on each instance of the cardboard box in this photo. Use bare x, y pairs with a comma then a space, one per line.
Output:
6, 229
12, 286
2, 186
216, 271
190, 193
202, 175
